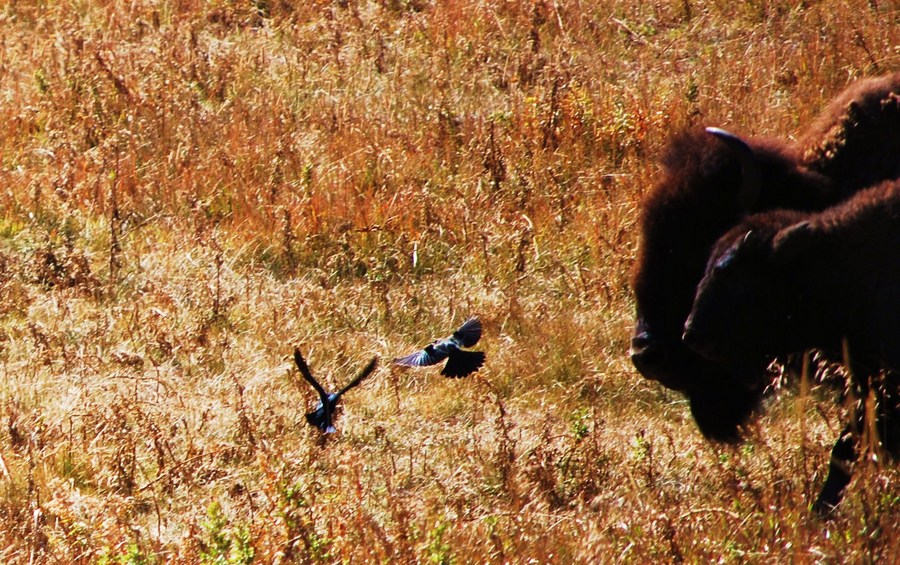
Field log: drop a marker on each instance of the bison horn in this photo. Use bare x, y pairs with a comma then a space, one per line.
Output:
751, 176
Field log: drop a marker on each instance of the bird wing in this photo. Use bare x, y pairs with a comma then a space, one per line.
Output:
422, 358
304, 370
469, 333
367, 370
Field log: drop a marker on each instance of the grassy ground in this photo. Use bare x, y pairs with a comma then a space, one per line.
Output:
193, 188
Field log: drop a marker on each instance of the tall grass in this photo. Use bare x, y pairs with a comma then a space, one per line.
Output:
193, 188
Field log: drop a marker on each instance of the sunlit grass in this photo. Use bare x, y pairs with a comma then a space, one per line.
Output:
194, 188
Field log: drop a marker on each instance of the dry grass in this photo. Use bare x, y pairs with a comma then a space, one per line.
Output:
192, 188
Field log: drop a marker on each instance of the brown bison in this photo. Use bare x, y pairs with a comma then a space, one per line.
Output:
701, 196
711, 180
856, 140
782, 282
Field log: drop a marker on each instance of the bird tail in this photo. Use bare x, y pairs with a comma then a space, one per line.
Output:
462, 363
320, 420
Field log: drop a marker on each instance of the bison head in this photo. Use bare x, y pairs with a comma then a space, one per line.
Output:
741, 313
700, 196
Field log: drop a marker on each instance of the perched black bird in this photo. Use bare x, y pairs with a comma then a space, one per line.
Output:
322, 415
459, 363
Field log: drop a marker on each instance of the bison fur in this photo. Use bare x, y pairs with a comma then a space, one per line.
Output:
784, 281
709, 183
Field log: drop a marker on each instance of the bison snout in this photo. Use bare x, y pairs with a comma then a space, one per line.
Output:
647, 354
690, 337
640, 343
694, 339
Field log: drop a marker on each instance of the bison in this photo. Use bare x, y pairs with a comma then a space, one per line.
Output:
856, 140
700, 196
710, 181
785, 281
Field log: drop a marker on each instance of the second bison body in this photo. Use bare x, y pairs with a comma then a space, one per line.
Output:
784, 281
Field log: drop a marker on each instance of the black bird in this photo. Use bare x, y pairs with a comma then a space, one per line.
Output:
321, 417
459, 363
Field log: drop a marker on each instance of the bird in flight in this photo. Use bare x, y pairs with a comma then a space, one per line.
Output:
459, 363
322, 416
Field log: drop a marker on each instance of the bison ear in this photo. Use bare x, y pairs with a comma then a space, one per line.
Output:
751, 175
791, 241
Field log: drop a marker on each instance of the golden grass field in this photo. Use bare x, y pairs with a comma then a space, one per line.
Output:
190, 189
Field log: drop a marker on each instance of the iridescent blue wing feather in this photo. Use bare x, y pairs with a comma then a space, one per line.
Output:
422, 358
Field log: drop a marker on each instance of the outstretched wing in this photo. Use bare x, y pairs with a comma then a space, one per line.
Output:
469, 333
367, 370
304, 370
422, 358
321, 416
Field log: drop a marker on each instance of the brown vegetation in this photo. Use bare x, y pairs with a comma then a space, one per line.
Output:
192, 189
